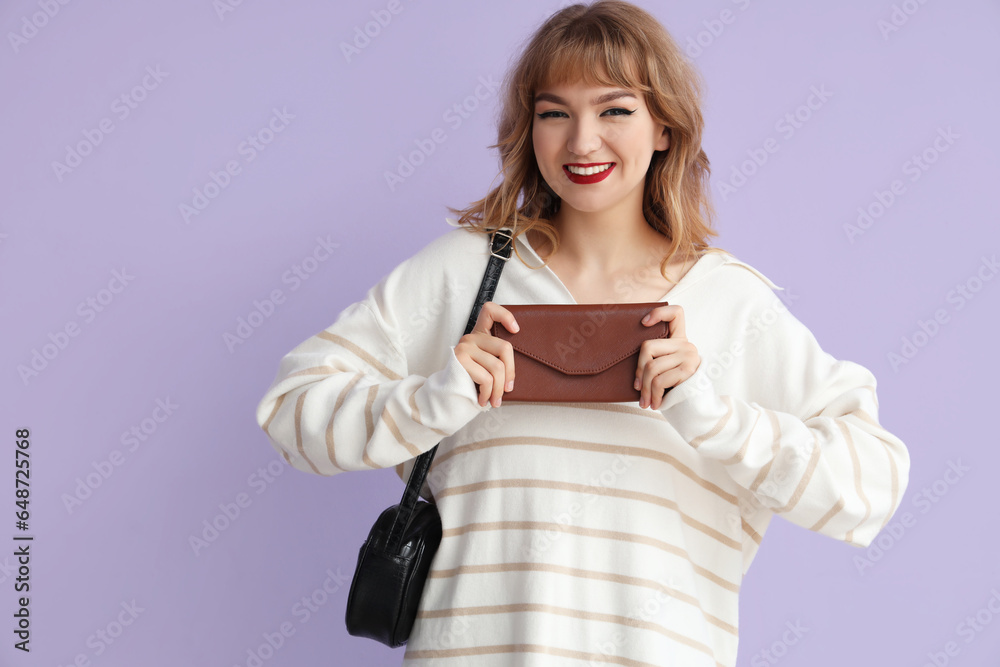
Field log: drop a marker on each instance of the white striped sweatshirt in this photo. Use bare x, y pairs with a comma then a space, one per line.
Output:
590, 533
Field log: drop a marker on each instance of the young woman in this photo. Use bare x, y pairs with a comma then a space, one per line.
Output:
593, 533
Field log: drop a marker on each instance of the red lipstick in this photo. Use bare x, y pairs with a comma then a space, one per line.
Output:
592, 178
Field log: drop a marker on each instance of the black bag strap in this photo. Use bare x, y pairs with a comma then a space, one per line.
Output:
501, 243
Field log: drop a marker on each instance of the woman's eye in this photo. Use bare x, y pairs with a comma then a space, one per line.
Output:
609, 112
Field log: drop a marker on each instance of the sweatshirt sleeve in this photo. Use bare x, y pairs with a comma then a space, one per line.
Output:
811, 448
345, 399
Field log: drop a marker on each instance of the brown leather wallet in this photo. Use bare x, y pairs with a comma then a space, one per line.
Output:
578, 352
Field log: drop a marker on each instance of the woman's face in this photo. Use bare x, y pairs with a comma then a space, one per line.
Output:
577, 125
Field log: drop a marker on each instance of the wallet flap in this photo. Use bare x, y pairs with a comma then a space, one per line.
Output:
580, 339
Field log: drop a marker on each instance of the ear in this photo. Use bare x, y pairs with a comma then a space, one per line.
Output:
663, 141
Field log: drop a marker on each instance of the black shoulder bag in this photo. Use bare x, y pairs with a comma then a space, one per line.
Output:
394, 560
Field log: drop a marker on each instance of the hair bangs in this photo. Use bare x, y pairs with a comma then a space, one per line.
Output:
588, 55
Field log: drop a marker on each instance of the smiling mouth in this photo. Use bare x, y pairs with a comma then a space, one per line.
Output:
588, 174
588, 169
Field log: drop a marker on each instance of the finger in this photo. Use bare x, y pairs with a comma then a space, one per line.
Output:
507, 356
509, 321
492, 312
665, 372
484, 381
672, 315
663, 383
651, 371
484, 322
503, 350
481, 374
650, 350
492, 387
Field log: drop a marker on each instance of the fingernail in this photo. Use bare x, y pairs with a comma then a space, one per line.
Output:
637, 384
516, 327
645, 319
510, 385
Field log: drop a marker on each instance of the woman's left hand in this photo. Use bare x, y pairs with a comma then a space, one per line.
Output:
665, 362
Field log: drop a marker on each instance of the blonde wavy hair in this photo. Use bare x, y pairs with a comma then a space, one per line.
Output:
609, 43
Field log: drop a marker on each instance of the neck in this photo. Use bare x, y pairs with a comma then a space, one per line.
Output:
605, 242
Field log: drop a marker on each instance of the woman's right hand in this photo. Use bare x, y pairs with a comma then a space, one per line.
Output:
489, 360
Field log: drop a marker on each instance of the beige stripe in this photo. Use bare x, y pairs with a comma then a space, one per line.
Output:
390, 422
415, 416
287, 458
754, 535
894, 499
837, 506
596, 490
594, 447
865, 417
493, 568
314, 370
857, 476
738, 456
497, 649
370, 424
360, 353
719, 425
274, 411
330, 447
565, 611
804, 482
298, 432
775, 448
331, 450
812, 466
414, 409
394, 429
620, 536
861, 413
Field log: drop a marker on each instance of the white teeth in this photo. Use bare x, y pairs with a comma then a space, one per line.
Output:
588, 170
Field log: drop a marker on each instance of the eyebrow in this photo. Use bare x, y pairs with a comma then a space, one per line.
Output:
607, 97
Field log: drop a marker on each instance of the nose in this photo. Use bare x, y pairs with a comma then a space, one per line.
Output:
584, 138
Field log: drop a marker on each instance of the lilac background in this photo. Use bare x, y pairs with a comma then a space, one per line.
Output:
162, 337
